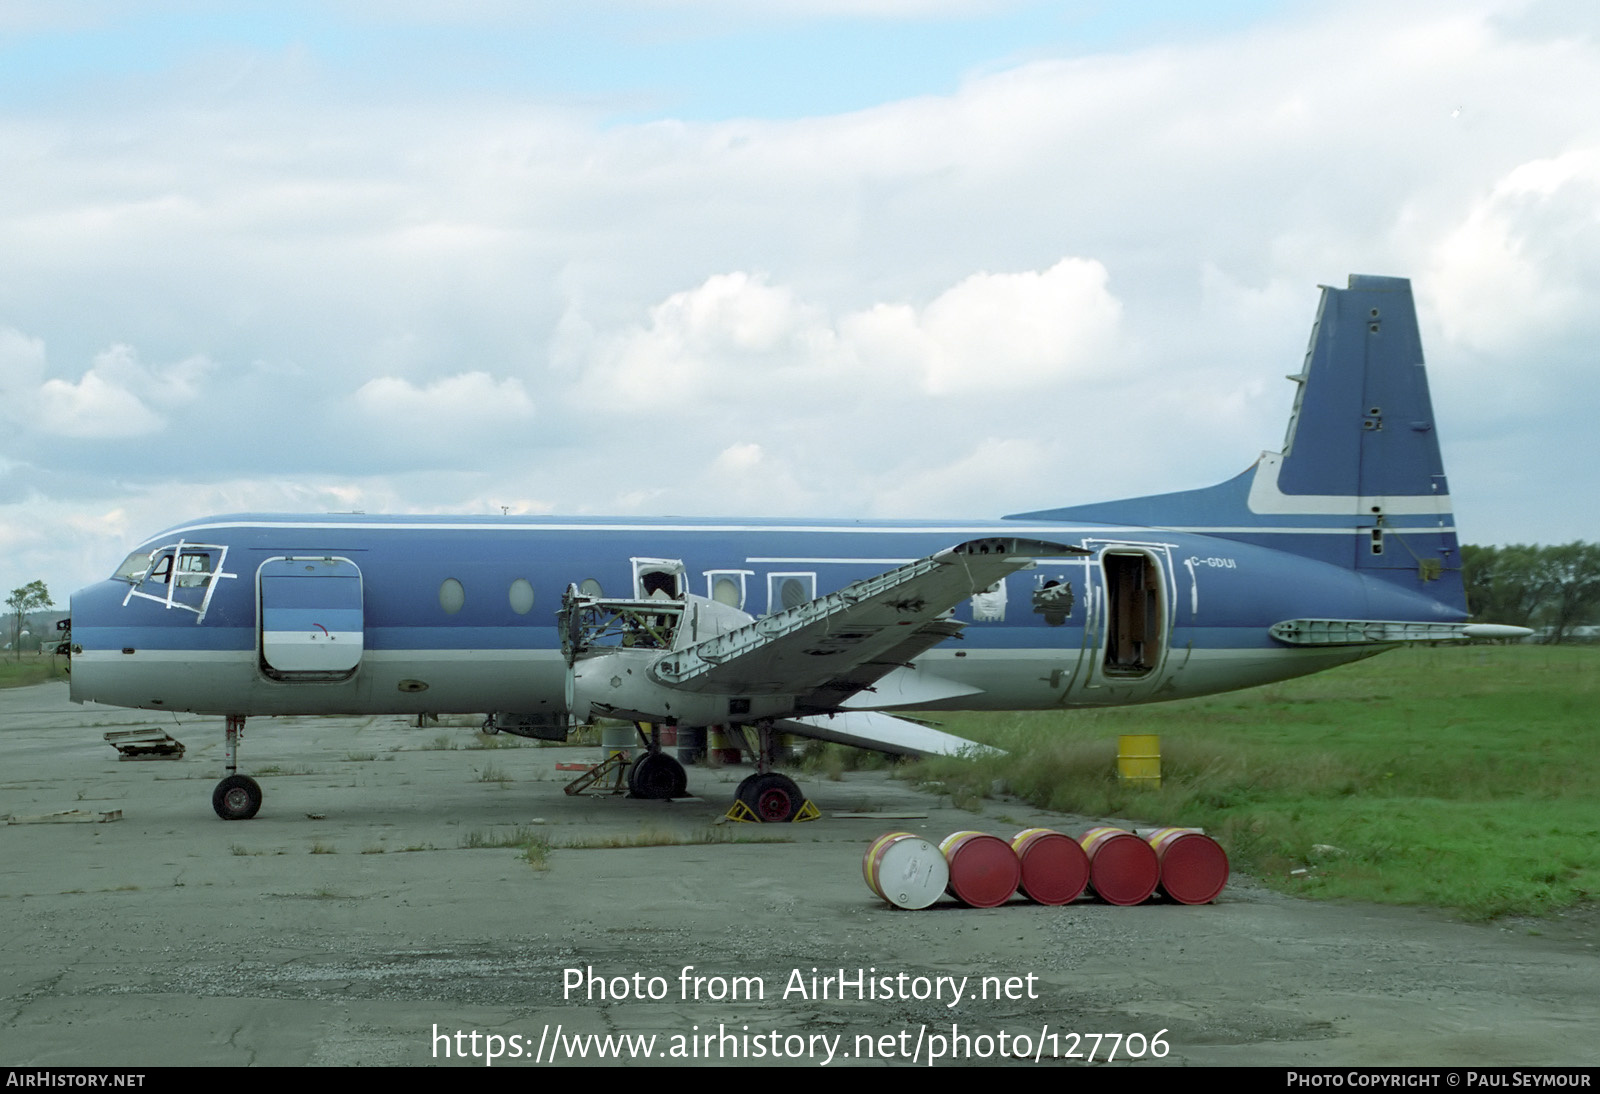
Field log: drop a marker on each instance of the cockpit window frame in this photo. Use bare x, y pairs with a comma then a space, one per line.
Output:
196, 566
126, 572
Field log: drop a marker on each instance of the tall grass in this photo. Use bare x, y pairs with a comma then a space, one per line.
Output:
1459, 777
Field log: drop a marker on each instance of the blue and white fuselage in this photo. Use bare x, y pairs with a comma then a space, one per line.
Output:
1341, 545
459, 614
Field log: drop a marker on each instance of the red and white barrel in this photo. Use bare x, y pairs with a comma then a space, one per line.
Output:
984, 870
1194, 867
1123, 869
905, 869
1054, 868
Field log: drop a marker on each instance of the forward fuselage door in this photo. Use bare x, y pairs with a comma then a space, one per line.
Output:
311, 621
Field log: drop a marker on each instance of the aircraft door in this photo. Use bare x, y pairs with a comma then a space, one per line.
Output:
1129, 619
312, 619
1135, 613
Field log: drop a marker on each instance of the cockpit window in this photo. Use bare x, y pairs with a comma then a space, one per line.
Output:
133, 567
178, 575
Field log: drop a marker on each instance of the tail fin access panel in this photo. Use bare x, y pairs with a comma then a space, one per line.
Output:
1360, 482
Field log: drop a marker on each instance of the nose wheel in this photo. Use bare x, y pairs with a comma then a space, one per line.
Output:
237, 797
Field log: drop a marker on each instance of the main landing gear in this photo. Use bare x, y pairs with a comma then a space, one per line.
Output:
237, 797
766, 796
771, 798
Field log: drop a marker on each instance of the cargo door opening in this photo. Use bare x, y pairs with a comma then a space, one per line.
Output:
1135, 613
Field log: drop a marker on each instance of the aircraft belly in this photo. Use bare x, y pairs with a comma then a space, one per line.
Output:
222, 682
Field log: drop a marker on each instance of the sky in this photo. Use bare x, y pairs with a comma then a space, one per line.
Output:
824, 258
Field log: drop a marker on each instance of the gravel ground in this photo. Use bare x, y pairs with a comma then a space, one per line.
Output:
352, 922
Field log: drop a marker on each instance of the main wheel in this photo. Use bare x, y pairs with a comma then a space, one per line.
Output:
236, 798
772, 798
657, 776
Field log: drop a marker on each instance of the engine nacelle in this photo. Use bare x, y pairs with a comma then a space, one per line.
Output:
620, 685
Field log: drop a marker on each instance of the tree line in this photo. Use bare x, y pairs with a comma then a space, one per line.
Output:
1551, 589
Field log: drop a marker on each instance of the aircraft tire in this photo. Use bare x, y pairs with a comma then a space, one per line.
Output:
238, 797
773, 798
657, 776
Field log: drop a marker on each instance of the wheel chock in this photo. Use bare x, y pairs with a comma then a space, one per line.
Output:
742, 813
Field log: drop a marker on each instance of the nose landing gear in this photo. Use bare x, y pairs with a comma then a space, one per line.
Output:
236, 797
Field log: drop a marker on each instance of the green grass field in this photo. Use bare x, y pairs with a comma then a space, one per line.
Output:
33, 668
1459, 777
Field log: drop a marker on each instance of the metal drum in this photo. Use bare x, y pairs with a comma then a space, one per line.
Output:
1054, 868
1122, 867
1194, 867
984, 870
905, 870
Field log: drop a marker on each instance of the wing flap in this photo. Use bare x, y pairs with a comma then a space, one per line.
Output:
882, 733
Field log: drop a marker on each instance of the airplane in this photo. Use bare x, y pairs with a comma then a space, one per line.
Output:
1339, 547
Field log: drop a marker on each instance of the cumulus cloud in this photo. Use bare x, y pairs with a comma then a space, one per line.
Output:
737, 337
114, 399
93, 407
730, 335
1525, 260
1000, 332
465, 401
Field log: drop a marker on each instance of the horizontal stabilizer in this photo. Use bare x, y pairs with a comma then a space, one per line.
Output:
1382, 632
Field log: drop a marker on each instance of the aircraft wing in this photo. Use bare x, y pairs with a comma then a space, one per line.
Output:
835, 646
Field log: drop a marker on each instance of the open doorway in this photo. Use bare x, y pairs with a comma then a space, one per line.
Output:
1135, 612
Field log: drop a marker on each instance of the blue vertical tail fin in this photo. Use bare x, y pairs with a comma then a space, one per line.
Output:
1359, 482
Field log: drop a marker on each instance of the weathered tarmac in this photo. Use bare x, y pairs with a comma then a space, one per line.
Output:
355, 922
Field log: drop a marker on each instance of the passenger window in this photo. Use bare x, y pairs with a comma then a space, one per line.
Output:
452, 596
521, 596
727, 586
789, 590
